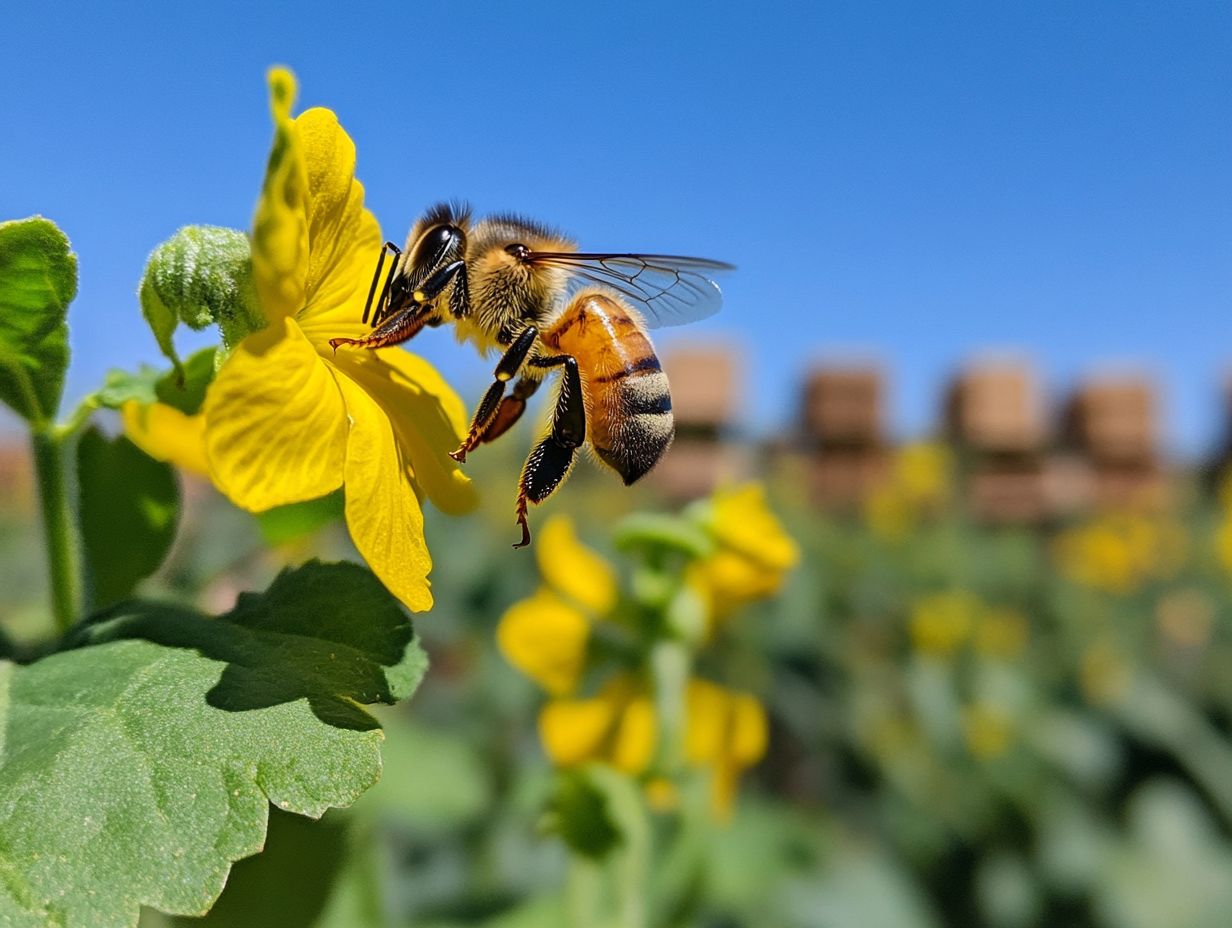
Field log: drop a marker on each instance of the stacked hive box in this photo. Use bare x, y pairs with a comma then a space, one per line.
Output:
705, 386
1112, 424
843, 428
995, 416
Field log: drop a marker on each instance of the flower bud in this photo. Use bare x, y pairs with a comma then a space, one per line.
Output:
201, 275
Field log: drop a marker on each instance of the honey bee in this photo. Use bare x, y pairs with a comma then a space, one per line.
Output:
515, 286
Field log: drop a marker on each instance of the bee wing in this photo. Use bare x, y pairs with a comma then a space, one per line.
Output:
670, 289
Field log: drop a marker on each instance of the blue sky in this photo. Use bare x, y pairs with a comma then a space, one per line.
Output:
903, 181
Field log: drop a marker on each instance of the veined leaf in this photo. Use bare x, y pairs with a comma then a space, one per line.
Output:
137, 766
38, 279
129, 505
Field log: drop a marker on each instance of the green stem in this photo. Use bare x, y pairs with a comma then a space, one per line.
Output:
669, 665
62, 556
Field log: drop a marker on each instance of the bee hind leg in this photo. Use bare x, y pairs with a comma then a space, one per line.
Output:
506, 369
551, 460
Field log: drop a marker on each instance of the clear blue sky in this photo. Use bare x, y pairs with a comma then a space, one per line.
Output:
910, 181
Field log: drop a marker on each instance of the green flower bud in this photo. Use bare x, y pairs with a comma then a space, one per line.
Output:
200, 276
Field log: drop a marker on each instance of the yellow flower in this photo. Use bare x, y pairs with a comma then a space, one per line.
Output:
1118, 552
617, 727
726, 732
753, 551
941, 622
922, 471
1186, 617
574, 570
987, 730
166, 434
286, 420
919, 480
1105, 674
1001, 633
545, 636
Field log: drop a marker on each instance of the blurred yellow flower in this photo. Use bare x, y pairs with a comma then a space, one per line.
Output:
987, 730
1223, 541
753, 551
922, 471
286, 420
942, 622
1105, 674
574, 570
1186, 617
617, 726
545, 636
1118, 552
919, 481
166, 434
726, 732
1001, 633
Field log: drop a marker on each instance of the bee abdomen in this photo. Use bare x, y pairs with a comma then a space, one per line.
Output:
640, 422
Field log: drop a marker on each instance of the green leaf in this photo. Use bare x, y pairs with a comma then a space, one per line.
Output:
139, 765
38, 279
129, 507
183, 389
296, 521
288, 883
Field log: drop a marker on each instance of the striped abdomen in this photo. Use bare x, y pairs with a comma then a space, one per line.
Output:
628, 405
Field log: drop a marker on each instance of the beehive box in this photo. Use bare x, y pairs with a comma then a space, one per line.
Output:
705, 385
843, 407
1114, 422
996, 407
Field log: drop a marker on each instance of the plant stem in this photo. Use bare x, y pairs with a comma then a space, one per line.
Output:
62, 556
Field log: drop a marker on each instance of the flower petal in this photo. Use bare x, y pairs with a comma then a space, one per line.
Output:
427, 415
166, 434
344, 239
634, 745
748, 730
574, 730
382, 511
574, 570
280, 225
705, 722
275, 422
545, 638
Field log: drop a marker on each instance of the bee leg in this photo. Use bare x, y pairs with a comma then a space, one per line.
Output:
510, 410
376, 276
453, 273
550, 460
398, 328
510, 363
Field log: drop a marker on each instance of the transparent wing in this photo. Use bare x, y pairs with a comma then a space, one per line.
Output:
670, 289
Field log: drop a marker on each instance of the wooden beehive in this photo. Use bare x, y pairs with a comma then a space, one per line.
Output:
1008, 492
705, 386
996, 407
1114, 422
843, 407
843, 477
694, 467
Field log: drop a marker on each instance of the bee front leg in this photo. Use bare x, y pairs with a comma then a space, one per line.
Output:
506, 369
396, 329
551, 460
510, 410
